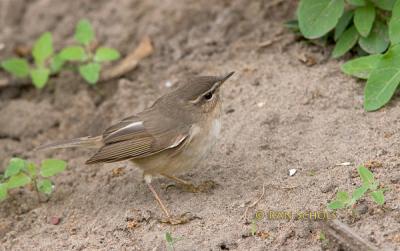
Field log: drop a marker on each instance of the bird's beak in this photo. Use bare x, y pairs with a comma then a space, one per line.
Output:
224, 78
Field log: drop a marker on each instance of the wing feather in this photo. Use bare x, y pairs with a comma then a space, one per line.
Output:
140, 136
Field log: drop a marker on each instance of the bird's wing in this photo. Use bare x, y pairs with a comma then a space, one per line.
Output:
140, 136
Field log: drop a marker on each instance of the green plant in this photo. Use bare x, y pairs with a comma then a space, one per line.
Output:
253, 227
369, 184
170, 241
46, 62
369, 26
322, 236
20, 173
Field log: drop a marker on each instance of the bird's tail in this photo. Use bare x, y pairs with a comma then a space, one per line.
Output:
86, 142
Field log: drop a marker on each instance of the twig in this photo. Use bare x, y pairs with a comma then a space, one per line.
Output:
270, 42
244, 216
343, 235
274, 3
129, 62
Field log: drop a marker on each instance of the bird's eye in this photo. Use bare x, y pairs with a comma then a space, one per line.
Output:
208, 96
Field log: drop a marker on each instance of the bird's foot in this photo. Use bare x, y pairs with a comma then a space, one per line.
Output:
179, 219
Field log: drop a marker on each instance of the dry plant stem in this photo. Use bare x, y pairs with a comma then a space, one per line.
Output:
274, 3
343, 235
276, 38
129, 62
244, 216
164, 208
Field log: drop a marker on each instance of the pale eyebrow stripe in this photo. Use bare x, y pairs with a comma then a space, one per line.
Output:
213, 88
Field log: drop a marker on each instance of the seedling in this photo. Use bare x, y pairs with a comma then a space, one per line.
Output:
20, 173
82, 56
171, 241
89, 61
369, 185
253, 227
322, 236
368, 27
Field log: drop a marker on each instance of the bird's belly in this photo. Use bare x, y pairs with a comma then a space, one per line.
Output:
172, 161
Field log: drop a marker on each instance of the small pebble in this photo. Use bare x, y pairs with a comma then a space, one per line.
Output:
260, 104
344, 164
54, 220
395, 179
168, 84
328, 187
362, 208
292, 172
381, 152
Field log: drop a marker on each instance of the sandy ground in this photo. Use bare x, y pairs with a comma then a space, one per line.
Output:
286, 107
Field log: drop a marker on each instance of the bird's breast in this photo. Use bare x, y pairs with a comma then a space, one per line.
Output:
204, 137
201, 140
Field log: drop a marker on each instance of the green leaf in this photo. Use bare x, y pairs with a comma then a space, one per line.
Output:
31, 168
384, 4
18, 180
16, 66
84, 32
168, 237
57, 62
336, 205
344, 21
364, 18
367, 177
51, 167
90, 72
345, 42
361, 67
343, 197
394, 24
106, 54
358, 193
318, 17
45, 186
378, 197
40, 76
383, 80
73, 53
43, 48
3, 191
374, 185
357, 2
14, 167
378, 39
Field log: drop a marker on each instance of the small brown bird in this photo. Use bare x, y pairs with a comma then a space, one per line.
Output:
171, 136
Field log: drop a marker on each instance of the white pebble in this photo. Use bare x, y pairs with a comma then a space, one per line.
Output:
292, 172
168, 84
344, 164
260, 104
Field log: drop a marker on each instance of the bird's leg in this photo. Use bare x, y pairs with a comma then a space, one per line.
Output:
174, 220
189, 187
164, 208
